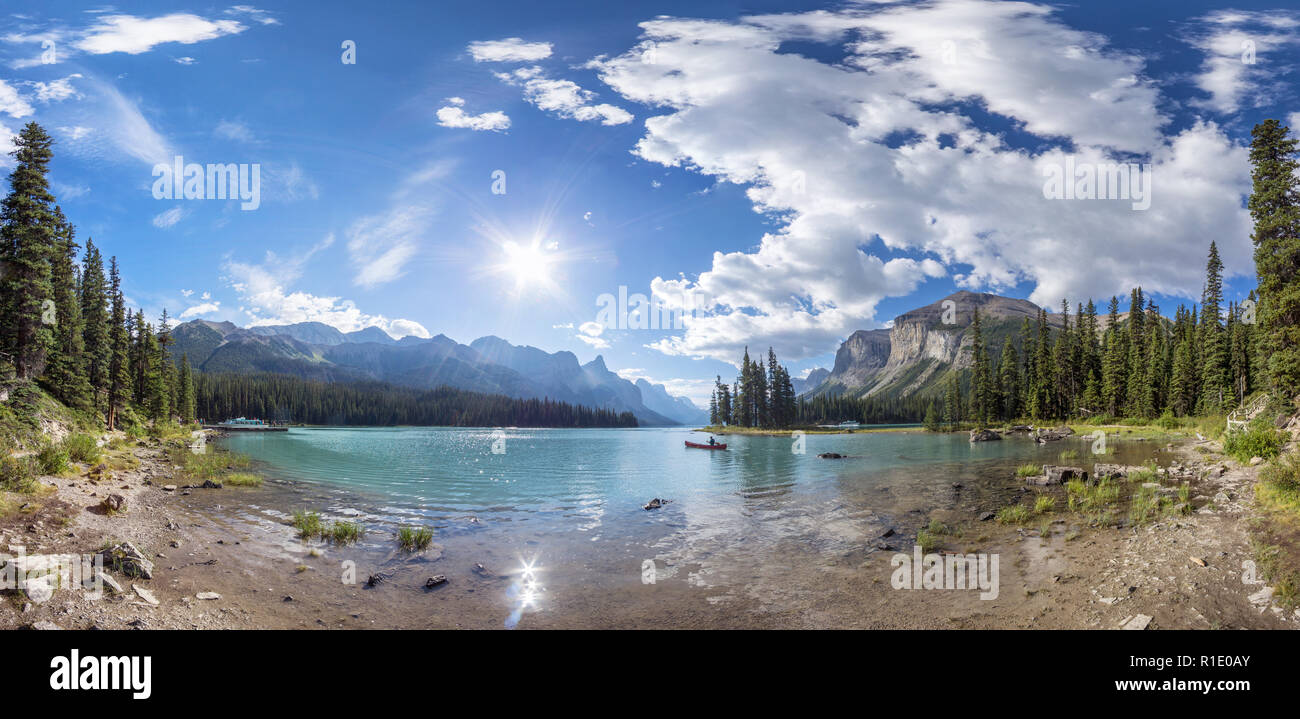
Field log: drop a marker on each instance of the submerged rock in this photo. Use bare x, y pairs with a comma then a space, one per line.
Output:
830, 455
984, 435
436, 580
656, 503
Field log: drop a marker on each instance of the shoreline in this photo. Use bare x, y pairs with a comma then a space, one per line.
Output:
225, 541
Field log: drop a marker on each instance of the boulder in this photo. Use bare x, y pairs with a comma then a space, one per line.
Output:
127, 559
830, 455
1057, 475
656, 503
436, 580
114, 503
984, 435
1102, 470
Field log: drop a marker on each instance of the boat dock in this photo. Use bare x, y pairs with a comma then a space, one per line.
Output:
240, 424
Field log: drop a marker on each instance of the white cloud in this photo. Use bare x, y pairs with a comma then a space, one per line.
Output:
134, 35
255, 14
167, 218
186, 293
234, 130
381, 245
1239, 48
56, 90
563, 97
13, 104
262, 287
878, 176
590, 332
206, 308
511, 49
453, 115
187, 60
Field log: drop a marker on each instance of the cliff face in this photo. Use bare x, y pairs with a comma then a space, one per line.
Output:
924, 345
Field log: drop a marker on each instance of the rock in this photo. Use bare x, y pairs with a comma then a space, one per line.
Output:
102, 579
169, 488
287, 598
1057, 475
986, 516
145, 594
46, 625
175, 544
375, 580
114, 503
1198, 561
655, 503
830, 455
984, 435
127, 559
483, 571
210, 484
1256, 461
1102, 470
1043, 436
208, 596
887, 533
1021, 428
1139, 622
436, 580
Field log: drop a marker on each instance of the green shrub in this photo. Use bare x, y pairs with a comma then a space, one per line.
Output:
413, 538
18, 474
1259, 439
1168, 421
53, 459
81, 448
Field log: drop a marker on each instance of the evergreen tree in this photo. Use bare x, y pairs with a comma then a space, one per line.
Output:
119, 337
28, 228
1009, 379
65, 370
1215, 385
185, 389
1114, 379
94, 316
1275, 208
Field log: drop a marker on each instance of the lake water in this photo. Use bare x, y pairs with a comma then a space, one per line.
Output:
741, 523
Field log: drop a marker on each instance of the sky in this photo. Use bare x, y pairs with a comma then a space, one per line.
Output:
777, 174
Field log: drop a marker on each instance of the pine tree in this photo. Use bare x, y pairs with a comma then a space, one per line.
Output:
65, 370
1275, 207
28, 227
185, 389
1009, 379
94, 315
1114, 380
982, 394
119, 386
1215, 385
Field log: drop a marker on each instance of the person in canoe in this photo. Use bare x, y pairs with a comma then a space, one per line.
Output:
712, 442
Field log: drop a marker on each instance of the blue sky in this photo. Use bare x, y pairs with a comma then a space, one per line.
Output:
812, 168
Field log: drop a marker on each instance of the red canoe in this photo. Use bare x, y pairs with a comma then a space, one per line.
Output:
697, 445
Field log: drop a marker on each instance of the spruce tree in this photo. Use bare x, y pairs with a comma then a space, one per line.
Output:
1215, 388
185, 391
65, 369
119, 336
1275, 208
94, 316
28, 228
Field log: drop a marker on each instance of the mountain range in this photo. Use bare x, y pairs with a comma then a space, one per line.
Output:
317, 351
923, 346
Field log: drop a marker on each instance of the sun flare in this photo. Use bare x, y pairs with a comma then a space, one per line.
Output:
528, 264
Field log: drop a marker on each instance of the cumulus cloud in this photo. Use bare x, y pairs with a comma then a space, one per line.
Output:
454, 115
511, 49
56, 90
564, 98
134, 35
13, 104
880, 174
205, 308
263, 289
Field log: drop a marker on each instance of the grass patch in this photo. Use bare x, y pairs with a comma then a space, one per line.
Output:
1069, 454
1028, 470
345, 533
211, 464
414, 538
1015, 514
1044, 504
927, 541
242, 479
307, 523
1275, 569
18, 474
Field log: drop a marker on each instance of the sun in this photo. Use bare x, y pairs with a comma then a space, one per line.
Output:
529, 264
